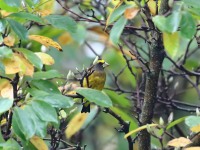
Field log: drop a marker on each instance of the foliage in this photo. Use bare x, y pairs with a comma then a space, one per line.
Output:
152, 48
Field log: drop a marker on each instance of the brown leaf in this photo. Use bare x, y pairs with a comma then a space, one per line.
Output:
130, 13
45, 41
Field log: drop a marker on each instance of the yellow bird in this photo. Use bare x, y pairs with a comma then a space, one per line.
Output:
94, 78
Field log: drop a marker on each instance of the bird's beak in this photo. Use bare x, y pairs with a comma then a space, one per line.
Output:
105, 65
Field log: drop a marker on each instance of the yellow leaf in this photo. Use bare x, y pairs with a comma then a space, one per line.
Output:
26, 68
75, 124
45, 41
139, 129
152, 7
130, 13
38, 143
6, 91
179, 142
46, 58
4, 13
3, 122
18, 64
65, 39
11, 66
9, 41
171, 43
195, 128
192, 148
43, 12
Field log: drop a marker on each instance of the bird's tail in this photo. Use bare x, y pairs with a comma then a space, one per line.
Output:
86, 107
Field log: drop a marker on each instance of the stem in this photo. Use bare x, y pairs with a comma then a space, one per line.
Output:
10, 114
124, 128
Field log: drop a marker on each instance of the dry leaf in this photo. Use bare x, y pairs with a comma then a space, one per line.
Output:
38, 143
195, 128
45, 41
130, 13
45, 58
75, 124
9, 41
65, 39
179, 142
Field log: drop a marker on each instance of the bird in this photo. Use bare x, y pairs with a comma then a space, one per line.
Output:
94, 78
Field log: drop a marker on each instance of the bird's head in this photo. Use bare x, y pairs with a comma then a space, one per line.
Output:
100, 62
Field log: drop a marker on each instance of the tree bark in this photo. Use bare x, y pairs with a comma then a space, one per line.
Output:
152, 76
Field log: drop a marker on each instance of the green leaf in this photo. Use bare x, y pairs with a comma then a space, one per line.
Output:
117, 29
171, 43
47, 75
188, 25
2, 69
46, 86
192, 121
55, 100
16, 128
192, 3
160, 22
175, 122
20, 30
31, 3
80, 34
62, 22
126, 116
2, 25
44, 111
25, 122
119, 99
168, 24
117, 13
32, 57
11, 144
5, 104
173, 21
58, 100
5, 52
41, 126
27, 16
1, 138
15, 3
95, 96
